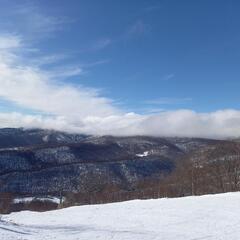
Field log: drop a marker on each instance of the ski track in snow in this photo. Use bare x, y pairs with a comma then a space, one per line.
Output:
209, 217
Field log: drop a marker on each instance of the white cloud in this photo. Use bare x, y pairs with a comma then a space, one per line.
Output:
84, 110
9, 42
219, 124
32, 88
181, 123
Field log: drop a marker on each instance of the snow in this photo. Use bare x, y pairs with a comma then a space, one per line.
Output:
213, 217
45, 138
145, 154
30, 199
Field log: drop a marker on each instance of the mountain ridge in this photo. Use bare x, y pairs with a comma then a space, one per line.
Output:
40, 162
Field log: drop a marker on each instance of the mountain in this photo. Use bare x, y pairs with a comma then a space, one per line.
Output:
19, 137
80, 169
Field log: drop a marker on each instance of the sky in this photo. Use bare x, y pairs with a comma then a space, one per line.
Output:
140, 67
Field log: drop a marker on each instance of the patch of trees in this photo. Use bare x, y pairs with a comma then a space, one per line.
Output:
213, 170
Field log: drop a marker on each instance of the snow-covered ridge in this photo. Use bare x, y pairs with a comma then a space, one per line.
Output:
41, 199
212, 217
145, 154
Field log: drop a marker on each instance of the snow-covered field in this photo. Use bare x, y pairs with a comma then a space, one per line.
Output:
213, 217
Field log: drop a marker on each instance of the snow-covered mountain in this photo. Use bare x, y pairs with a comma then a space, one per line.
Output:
213, 217
43, 164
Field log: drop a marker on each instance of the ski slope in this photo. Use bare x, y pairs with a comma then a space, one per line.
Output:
213, 217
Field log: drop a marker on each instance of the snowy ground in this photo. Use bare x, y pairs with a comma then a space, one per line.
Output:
213, 217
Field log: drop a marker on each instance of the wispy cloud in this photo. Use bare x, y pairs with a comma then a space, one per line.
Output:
168, 76
26, 18
96, 63
138, 28
43, 60
151, 8
101, 44
168, 101
64, 72
154, 110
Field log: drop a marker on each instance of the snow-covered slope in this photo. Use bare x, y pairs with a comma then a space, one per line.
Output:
213, 217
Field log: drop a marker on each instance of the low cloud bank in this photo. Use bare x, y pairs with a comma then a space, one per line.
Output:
181, 123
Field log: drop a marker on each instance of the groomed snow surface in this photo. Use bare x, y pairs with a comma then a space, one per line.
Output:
213, 217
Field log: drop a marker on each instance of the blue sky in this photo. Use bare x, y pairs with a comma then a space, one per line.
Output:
142, 56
